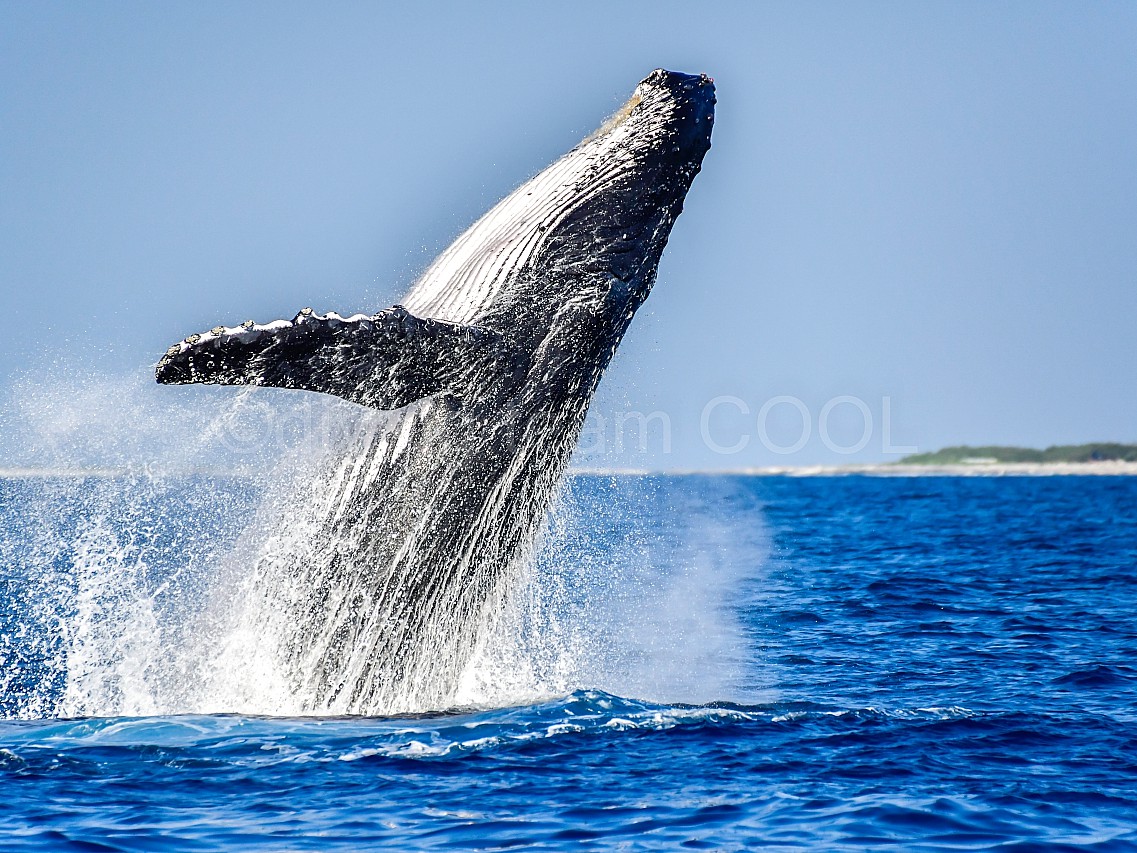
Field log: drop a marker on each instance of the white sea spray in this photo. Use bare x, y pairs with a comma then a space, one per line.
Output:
144, 589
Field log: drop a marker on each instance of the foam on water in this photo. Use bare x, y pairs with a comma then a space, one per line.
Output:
159, 592
253, 743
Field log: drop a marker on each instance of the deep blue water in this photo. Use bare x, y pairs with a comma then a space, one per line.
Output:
923, 663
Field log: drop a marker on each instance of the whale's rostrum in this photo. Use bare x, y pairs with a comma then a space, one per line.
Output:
488, 365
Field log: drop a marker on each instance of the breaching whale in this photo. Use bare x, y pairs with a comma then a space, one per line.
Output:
488, 365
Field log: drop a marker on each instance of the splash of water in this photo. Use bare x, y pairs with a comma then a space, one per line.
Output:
159, 593
615, 603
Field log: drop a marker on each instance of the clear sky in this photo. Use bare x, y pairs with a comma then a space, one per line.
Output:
933, 203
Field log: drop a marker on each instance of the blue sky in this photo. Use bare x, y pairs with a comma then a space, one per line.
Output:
933, 204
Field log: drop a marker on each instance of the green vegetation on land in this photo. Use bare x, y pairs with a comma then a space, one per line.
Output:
963, 455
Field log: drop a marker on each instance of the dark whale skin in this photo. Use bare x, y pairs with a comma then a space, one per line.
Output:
412, 538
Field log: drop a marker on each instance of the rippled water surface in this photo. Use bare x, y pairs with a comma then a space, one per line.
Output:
715, 663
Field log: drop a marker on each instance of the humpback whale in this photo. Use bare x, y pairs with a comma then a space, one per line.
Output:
487, 367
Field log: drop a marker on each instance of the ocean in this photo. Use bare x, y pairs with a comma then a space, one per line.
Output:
691, 662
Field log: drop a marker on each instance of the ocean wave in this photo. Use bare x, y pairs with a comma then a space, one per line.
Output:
590, 713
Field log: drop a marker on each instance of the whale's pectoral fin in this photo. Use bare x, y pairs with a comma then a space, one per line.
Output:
385, 360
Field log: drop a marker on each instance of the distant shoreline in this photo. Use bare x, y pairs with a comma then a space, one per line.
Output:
965, 454
879, 469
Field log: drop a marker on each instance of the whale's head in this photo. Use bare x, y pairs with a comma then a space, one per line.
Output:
588, 231
585, 236
644, 158
626, 183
